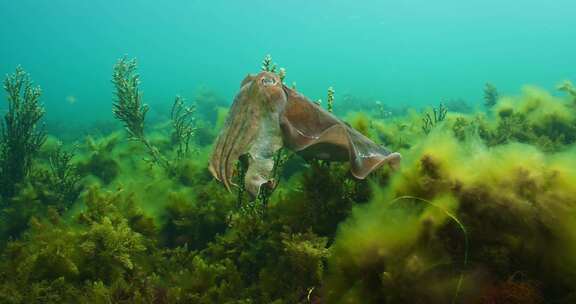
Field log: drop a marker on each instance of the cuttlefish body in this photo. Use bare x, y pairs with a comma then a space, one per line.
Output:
267, 116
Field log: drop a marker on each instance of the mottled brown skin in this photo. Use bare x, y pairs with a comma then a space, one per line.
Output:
266, 116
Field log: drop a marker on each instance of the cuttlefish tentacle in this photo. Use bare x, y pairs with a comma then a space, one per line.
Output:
245, 135
262, 152
232, 149
239, 132
223, 142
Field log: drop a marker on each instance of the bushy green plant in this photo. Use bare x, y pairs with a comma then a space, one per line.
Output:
98, 159
536, 118
490, 95
20, 136
193, 224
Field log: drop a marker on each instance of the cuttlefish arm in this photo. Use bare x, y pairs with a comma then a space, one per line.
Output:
252, 128
314, 132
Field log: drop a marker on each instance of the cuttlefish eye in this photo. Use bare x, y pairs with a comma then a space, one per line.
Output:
268, 81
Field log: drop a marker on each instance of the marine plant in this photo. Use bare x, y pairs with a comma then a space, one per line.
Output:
282, 74
568, 87
100, 246
208, 103
382, 112
267, 65
128, 106
461, 127
330, 100
20, 135
65, 178
382, 251
129, 109
490, 95
97, 159
52, 185
194, 221
534, 117
184, 126
438, 115
459, 105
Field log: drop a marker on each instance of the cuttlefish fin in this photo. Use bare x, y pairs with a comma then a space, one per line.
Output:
314, 132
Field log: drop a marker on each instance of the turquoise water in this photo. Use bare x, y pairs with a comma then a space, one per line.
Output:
402, 52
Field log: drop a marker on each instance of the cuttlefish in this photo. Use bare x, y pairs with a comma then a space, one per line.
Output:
267, 116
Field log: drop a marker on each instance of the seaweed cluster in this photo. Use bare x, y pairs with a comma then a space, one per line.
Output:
490, 95
481, 211
510, 201
184, 125
129, 109
568, 87
438, 115
20, 136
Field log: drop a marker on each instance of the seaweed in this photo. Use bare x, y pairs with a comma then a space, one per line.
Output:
208, 102
568, 87
184, 126
55, 251
330, 100
193, 224
439, 115
499, 195
98, 160
459, 105
267, 64
490, 95
65, 179
382, 112
534, 117
129, 109
20, 136
128, 106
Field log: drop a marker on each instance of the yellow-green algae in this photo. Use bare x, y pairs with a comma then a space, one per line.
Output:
517, 204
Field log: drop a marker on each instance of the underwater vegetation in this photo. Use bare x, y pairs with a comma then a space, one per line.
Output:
490, 95
20, 137
438, 115
481, 210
